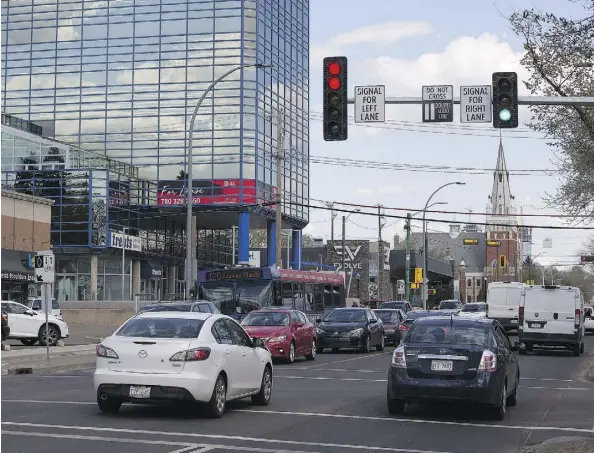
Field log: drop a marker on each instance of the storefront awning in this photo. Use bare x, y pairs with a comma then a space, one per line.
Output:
12, 266
150, 269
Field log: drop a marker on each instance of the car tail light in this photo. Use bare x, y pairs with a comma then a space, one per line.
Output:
104, 351
403, 327
521, 316
191, 355
578, 317
398, 358
488, 362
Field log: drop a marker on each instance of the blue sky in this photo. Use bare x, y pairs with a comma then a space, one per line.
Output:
405, 45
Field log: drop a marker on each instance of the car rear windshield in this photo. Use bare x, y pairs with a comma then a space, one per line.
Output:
474, 307
412, 315
387, 316
161, 328
165, 307
448, 305
448, 334
345, 316
392, 305
268, 318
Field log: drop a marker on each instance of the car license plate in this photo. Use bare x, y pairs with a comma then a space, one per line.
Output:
442, 365
535, 326
514, 321
140, 392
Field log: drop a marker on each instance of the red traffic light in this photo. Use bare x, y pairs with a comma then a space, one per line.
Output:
334, 68
334, 83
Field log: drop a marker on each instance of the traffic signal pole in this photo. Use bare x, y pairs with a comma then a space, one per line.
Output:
407, 263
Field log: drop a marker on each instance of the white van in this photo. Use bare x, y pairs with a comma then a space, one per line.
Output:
503, 302
552, 316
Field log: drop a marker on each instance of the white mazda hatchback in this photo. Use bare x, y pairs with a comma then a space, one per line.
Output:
181, 356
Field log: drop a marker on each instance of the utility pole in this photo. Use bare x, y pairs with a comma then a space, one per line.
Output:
343, 253
407, 262
330, 206
380, 251
280, 138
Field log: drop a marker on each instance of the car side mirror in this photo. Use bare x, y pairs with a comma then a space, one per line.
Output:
31, 312
298, 324
373, 321
258, 343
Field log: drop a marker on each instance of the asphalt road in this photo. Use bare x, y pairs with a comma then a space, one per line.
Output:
79, 334
335, 404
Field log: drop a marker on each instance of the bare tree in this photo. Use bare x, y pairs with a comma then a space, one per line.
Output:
258, 239
559, 56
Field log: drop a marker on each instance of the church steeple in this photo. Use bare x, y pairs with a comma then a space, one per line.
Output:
501, 197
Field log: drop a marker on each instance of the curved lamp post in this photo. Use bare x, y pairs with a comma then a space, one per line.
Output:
425, 248
189, 238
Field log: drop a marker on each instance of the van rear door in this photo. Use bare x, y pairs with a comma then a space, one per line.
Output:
550, 310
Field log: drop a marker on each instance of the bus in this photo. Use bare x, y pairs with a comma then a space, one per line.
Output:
238, 290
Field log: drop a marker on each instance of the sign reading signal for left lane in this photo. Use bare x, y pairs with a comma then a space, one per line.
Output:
370, 104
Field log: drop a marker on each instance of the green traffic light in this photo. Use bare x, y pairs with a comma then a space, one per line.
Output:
505, 115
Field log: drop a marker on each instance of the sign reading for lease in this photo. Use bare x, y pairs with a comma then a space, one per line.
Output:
476, 104
370, 104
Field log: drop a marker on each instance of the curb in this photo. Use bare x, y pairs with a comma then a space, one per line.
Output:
46, 369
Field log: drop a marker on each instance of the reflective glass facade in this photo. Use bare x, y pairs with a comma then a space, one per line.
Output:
121, 78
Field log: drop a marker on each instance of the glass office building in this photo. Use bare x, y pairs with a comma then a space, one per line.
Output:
121, 78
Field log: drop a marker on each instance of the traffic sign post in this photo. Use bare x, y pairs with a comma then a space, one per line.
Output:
476, 104
400, 287
438, 103
370, 104
45, 273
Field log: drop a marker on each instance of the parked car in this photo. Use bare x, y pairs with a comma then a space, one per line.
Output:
454, 359
181, 356
5, 326
392, 319
403, 305
474, 310
197, 306
37, 304
416, 314
450, 305
551, 315
28, 326
350, 328
287, 333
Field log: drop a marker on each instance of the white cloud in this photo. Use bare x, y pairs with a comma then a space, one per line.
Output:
365, 191
392, 190
382, 34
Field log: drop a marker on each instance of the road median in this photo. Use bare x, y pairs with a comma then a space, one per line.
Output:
32, 361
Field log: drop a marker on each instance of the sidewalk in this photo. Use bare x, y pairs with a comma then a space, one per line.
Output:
34, 360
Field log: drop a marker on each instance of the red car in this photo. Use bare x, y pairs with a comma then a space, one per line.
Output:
287, 333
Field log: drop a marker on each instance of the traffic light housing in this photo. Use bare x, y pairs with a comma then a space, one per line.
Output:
502, 261
418, 275
505, 100
335, 99
587, 259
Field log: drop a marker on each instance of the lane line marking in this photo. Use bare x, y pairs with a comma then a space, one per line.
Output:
217, 436
181, 450
301, 414
347, 360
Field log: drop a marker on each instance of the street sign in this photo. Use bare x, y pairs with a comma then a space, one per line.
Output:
470, 241
493, 243
400, 287
476, 104
438, 104
370, 104
45, 270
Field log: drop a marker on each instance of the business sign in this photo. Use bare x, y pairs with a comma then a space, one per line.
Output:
357, 258
370, 104
493, 243
350, 256
476, 105
125, 241
18, 276
438, 103
234, 274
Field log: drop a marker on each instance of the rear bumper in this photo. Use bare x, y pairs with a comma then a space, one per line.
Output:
164, 387
548, 339
392, 337
485, 388
507, 323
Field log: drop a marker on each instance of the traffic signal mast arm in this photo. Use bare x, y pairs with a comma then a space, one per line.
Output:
584, 101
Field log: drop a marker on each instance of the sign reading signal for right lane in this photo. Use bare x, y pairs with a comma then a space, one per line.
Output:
476, 104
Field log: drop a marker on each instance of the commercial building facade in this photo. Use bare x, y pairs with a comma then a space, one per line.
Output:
121, 79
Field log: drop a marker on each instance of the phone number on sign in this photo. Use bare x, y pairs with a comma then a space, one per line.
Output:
178, 201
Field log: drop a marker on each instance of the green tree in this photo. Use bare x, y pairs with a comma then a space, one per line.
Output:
559, 56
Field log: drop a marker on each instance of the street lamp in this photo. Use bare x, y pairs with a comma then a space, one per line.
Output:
344, 219
425, 244
124, 231
189, 234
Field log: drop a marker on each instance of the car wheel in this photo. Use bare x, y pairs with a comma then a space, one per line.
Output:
291, 357
335, 349
312, 354
396, 407
218, 400
53, 335
29, 341
367, 345
381, 346
320, 350
262, 398
512, 399
576, 350
501, 408
529, 347
522, 351
108, 405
